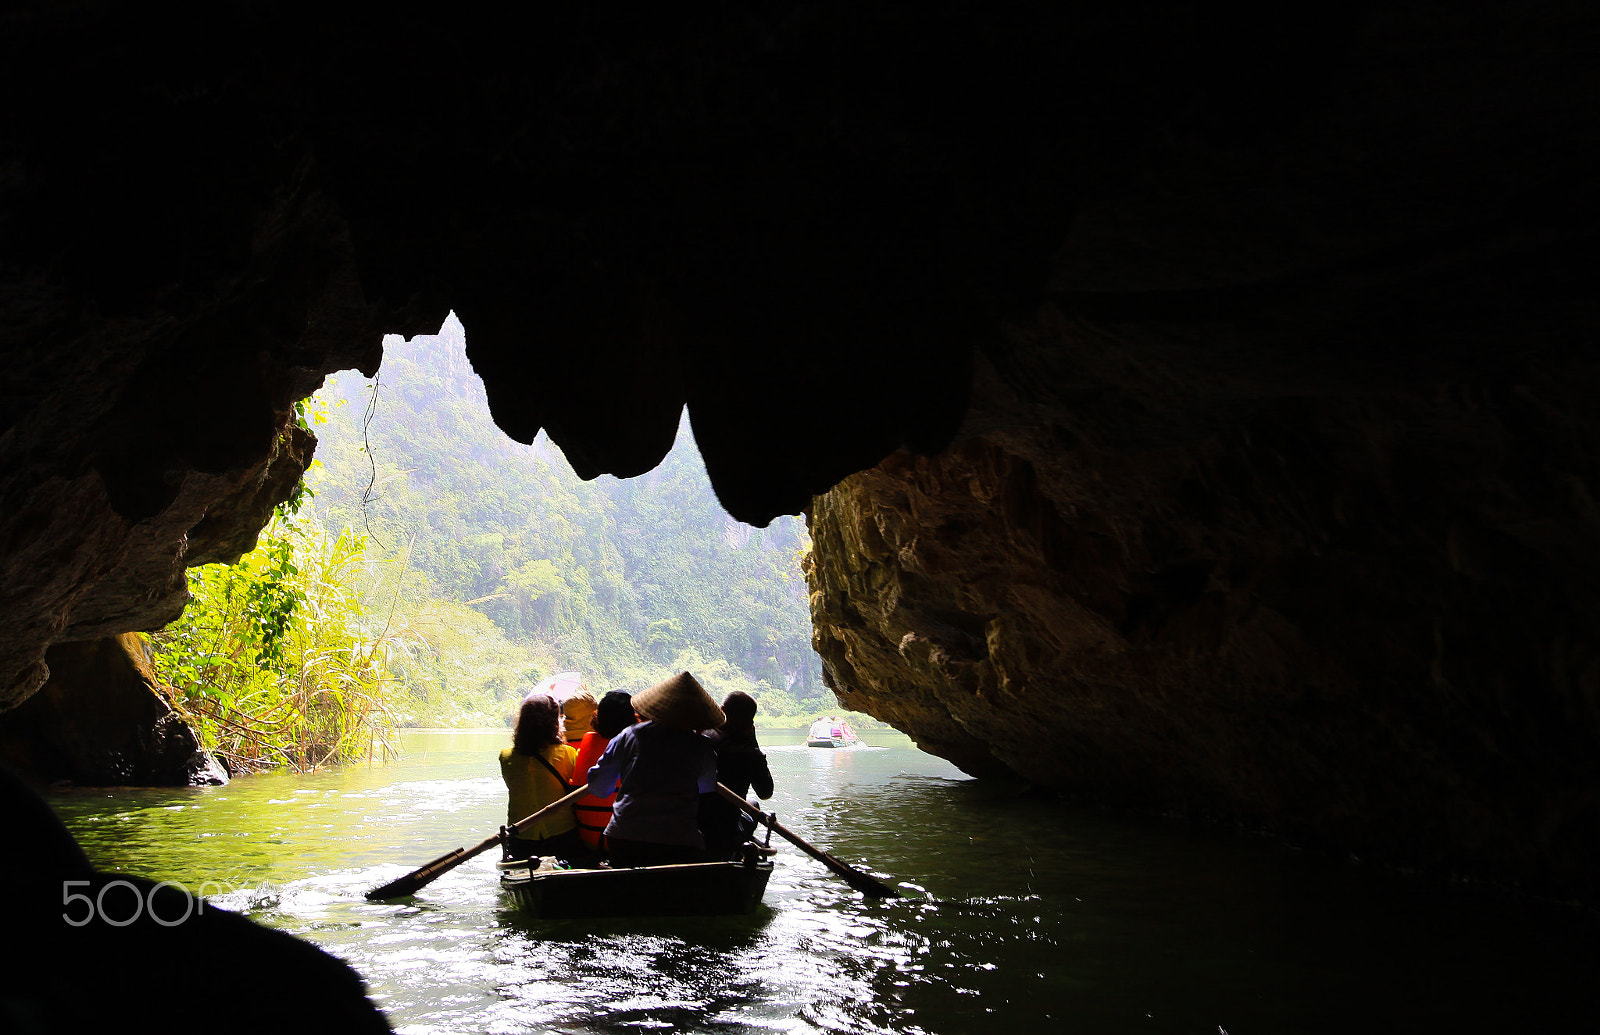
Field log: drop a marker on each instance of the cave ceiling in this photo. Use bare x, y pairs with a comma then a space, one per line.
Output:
797, 220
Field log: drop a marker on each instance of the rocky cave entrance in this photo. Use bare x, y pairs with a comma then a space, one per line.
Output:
1216, 411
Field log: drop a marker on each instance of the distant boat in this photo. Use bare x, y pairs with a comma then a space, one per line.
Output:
831, 733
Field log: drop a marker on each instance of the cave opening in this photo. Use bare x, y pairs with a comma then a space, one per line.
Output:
622, 579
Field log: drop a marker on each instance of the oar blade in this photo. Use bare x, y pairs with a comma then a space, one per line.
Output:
869, 886
422, 876
398, 888
865, 883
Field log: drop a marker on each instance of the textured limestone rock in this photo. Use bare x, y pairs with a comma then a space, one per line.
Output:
1307, 618
100, 720
146, 422
1282, 510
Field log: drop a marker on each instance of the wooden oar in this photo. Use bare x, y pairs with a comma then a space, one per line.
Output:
425, 875
862, 882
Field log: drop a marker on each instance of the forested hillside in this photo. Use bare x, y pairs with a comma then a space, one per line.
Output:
625, 580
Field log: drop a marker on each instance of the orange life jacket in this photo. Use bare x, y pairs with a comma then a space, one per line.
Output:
592, 813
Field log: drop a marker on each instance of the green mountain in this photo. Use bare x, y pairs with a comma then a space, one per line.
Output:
626, 580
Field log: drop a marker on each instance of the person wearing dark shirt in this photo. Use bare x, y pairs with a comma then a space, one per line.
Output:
741, 767
658, 769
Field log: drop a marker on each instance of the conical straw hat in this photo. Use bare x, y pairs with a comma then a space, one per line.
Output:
680, 701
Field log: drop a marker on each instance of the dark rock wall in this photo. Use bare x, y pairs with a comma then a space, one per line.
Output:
1242, 623
100, 720
172, 279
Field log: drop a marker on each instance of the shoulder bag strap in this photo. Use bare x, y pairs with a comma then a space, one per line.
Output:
562, 780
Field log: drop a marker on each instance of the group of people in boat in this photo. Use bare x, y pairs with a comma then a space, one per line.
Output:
650, 763
831, 727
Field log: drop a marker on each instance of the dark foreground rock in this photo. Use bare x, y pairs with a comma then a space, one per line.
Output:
79, 965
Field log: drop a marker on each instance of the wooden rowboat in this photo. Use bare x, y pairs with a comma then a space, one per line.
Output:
683, 889
729, 887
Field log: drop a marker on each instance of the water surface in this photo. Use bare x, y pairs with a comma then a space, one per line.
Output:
1020, 914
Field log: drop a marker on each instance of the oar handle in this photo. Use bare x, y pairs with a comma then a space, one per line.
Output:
522, 824
431, 871
862, 882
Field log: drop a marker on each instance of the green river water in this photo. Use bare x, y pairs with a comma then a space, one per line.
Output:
1020, 915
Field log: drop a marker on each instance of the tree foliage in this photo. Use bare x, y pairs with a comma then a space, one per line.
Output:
445, 569
278, 658
622, 579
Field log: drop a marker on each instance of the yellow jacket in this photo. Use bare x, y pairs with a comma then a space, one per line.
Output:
532, 787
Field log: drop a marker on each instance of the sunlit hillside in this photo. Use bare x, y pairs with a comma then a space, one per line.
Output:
528, 570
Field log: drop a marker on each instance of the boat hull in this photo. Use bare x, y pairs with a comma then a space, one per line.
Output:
686, 889
828, 742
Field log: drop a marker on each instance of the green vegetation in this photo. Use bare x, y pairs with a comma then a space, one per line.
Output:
280, 659
624, 580
444, 569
